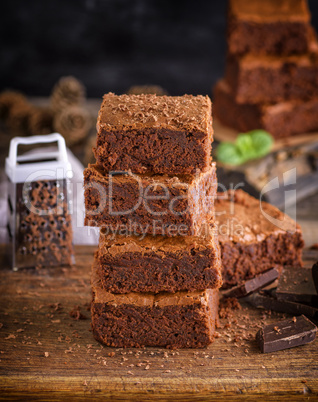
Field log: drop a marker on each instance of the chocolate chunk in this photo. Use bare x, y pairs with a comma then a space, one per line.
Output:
315, 275
296, 284
293, 308
286, 334
254, 284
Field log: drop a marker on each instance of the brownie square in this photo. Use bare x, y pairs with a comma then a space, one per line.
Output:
155, 204
242, 117
154, 134
270, 79
279, 27
175, 320
159, 263
282, 119
250, 243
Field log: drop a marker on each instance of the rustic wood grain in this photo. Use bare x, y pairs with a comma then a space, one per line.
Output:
34, 313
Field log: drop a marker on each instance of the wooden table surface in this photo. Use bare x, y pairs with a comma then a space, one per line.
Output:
45, 353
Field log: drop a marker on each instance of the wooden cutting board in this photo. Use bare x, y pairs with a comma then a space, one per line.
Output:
45, 353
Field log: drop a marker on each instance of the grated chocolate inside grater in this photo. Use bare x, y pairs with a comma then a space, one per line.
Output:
39, 221
43, 239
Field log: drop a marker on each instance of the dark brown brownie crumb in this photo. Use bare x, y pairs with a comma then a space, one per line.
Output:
227, 306
76, 314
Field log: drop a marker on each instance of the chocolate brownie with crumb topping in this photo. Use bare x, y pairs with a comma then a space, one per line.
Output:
173, 320
154, 134
270, 79
253, 240
282, 119
159, 263
268, 27
145, 203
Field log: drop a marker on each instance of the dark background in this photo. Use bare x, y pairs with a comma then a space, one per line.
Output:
113, 44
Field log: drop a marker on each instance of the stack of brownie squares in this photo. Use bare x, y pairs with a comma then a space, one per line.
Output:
271, 75
157, 270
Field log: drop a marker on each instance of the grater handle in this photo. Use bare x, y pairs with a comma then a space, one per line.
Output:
37, 139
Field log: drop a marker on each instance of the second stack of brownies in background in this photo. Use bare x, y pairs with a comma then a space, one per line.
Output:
271, 74
157, 271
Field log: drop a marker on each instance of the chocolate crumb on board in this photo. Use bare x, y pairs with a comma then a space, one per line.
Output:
76, 314
10, 336
286, 334
252, 285
227, 306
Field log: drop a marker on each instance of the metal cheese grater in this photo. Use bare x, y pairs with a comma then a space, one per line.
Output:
39, 198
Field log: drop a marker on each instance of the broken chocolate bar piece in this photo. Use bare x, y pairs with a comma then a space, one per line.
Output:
254, 284
286, 334
296, 284
315, 275
293, 308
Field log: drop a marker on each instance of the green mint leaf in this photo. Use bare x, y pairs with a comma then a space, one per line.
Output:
228, 153
245, 146
251, 145
262, 141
